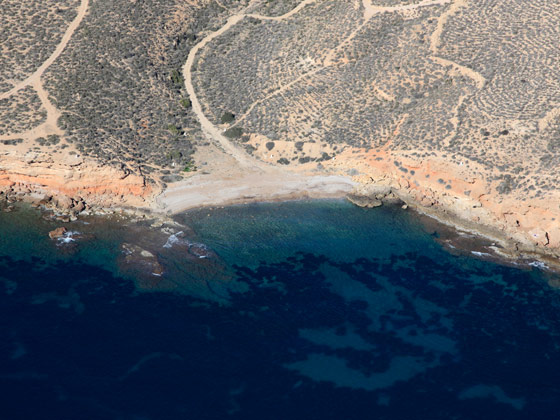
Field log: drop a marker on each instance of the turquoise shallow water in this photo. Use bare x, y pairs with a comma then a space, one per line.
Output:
288, 310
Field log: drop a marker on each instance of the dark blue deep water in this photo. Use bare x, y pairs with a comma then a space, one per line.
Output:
303, 310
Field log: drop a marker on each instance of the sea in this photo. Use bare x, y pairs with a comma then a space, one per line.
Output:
294, 310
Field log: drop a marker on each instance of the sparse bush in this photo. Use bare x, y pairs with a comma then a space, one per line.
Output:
190, 167
186, 103
233, 133
173, 129
177, 79
227, 117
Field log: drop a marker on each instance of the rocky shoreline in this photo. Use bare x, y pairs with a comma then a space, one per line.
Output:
70, 185
508, 245
66, 192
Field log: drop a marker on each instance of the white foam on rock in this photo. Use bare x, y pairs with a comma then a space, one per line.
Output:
481, 254
173, 239
68, 237
539, 264
193, 247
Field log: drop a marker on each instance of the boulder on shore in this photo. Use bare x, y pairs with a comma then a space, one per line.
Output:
57, 233
364, 201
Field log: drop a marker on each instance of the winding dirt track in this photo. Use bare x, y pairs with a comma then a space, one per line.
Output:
210, 129
370, 10
56, 53
34, 80
248, 179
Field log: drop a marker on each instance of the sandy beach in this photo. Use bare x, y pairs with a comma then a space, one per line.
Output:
211, 190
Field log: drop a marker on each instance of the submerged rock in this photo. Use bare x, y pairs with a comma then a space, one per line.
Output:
180, 241
137, 258
200, 250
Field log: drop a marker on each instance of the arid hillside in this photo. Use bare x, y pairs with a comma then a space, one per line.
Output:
101, 79
476, 81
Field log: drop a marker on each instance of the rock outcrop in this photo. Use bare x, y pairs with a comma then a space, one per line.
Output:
137, 258
70, 184
57, 233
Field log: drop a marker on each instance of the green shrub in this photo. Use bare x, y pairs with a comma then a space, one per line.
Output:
177, 79
227, 117
233, 133
189, 167
186, 103
173, 129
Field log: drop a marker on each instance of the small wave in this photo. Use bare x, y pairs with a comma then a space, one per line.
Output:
173, 239
539, 265
197, 249
68, 237
481, 254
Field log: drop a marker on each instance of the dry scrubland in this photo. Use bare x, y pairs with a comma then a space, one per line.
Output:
455, 103
115, 90
30, 31
477, 83
21, 112
119, 87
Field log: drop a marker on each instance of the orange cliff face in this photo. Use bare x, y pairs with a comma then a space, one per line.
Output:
74, 177
462, 191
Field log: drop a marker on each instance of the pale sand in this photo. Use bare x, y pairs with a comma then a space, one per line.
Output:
222, 180
212, 190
